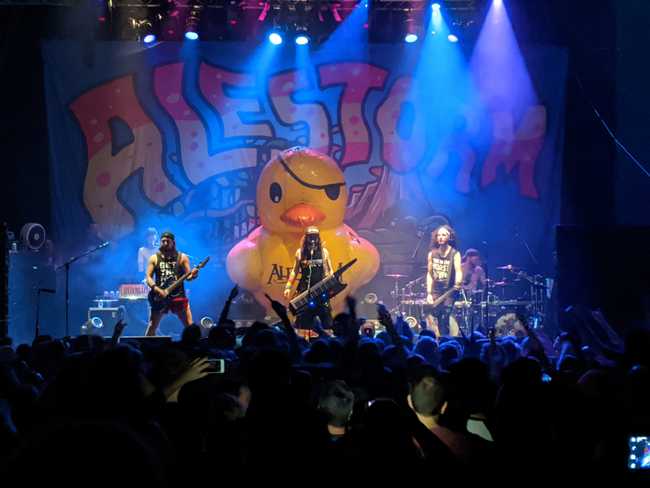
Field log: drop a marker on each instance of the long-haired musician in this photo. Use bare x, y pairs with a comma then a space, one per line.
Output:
443, 273
313, 265
166, 265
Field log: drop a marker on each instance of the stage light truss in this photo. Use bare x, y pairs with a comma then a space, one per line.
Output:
340, 5
43, 3
255, 19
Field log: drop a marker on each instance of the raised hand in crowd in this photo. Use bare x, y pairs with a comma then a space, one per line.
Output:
223, 317
387, 321
403, 328
195, 370
318, 328
117, 332
233, 293
280, 310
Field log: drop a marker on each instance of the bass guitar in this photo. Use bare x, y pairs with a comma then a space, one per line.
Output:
158, 302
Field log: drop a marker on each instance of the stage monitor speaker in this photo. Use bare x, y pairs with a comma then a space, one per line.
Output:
101, 320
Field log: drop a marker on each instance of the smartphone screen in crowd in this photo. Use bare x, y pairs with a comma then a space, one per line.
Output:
217, 366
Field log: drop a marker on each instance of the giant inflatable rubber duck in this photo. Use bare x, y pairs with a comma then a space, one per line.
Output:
299, 188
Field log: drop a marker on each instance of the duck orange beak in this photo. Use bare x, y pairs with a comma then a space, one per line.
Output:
302, 215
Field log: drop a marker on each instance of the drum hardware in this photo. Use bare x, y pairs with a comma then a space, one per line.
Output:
508, 267
509, 325
500, 301
395, 293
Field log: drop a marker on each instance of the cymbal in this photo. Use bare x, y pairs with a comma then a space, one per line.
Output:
509, 267
500, 283
395, 275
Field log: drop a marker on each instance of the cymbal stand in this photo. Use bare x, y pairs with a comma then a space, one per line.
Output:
395, 293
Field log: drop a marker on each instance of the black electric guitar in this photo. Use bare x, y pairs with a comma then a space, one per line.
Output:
158, 302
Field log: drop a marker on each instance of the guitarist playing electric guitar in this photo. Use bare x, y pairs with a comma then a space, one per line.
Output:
444, 276
165, 268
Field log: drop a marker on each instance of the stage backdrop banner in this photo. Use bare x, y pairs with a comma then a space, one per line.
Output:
175, 136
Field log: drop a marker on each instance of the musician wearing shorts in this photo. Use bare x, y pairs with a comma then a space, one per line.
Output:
443, 273
166, 265
313, 265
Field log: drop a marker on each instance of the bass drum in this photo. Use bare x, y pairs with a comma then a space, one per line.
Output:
509, 325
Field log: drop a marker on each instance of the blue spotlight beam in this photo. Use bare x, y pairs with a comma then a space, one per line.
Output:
441, 86
410, 38
275, 38
352, 34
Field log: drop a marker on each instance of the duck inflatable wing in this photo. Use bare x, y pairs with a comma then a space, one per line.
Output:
297, 189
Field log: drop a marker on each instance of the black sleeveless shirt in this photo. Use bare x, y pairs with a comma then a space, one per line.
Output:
168, 270
443, 268
311, 272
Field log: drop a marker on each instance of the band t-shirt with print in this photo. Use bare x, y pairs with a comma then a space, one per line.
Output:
442, 271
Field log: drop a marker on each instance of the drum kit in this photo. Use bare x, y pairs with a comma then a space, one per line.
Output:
498, 305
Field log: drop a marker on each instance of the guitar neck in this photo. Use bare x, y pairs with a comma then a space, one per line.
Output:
177, 283
180, 280
443, 297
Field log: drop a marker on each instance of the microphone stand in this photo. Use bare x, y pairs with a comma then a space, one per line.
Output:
533, 283
66, 266
37, 325
525, 244
417, 247
486, 289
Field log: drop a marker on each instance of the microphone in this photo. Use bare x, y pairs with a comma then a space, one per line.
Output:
47, 290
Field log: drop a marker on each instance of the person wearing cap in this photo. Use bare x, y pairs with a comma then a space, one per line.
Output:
313, 265
165, 264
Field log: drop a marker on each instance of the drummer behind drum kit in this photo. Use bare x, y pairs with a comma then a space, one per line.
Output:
498, 306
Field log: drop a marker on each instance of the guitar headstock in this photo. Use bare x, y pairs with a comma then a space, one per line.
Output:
202, 263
